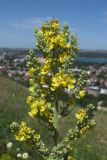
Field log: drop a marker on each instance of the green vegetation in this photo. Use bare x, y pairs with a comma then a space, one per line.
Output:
12, 107
94, 100
12, 103
6, 157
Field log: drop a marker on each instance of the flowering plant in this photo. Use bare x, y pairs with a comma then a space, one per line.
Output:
54, 90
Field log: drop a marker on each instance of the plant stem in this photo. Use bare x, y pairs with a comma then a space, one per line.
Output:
56, 124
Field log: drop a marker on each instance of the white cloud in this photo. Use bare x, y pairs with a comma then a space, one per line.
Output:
30, 23
104, 19
105, 13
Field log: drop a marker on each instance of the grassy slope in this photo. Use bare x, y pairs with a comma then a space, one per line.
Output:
12, 102
13, 108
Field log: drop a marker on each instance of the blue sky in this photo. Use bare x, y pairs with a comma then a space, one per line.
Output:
87, 18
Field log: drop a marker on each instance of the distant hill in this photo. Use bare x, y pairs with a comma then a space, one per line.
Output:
11, 51
81, 53
17, 51
92, 53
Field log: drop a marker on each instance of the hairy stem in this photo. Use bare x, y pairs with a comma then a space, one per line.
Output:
56, 124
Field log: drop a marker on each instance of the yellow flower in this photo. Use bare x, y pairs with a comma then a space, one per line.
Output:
24, 133
38, 106
20, 137
70, 86
46, 67
60, 40
31, 71
66, 34
54, 24
80, 115
33, 112
68, 46
48, 61
40, 31
50, 33
41, 105
69, 146
31, 89
65, 80
68, 81
51, 46
29, 99
53, 88
43, 94
82, 93
70, 158
82, 130
37, 136
62, 57
34, 109
56, 81
42, 80
52, 40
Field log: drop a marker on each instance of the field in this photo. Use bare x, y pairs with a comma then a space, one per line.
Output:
92, 146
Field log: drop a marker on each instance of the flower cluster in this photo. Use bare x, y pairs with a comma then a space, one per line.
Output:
23, 156
53, 83
50, 76
64, 80
50, 37
80, 114
24, 132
